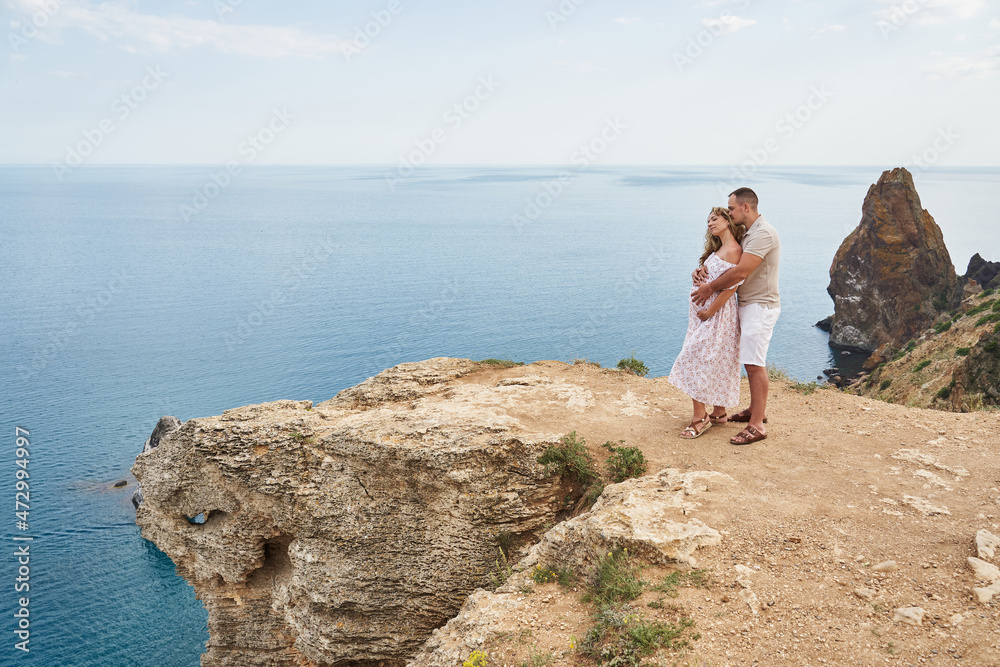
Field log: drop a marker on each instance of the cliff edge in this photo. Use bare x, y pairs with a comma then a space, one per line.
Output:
363, 530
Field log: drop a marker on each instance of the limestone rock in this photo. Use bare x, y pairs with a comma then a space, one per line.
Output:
164, 427
751, 599
892, 275
865, 594
648, 515
909, 615
346, 532
885, 566
986, 544
984, 571
984, 595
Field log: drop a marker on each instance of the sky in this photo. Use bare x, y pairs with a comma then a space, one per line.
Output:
519, 82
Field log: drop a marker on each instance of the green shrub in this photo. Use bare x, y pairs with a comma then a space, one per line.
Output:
962, 351
911, 345
985, 305
570, 457
617, 579
777, 374
988, 292
805, 387
634, 366
548, 574
885, 384
674, 580
944, 393
944, 326
986, 319
502, 363
922, 365
624, 462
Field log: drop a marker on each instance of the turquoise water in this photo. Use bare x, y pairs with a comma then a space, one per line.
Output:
121, 305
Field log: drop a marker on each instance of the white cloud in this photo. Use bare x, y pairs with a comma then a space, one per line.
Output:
825, 28
928, 12
585, 68
139, 32
728, 24
982, 64
994, 24
627, 20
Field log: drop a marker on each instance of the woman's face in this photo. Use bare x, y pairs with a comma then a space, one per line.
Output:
717, 224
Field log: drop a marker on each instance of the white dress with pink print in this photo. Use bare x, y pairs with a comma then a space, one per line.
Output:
708, 367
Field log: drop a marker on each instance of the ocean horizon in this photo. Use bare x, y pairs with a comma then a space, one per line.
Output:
142, 291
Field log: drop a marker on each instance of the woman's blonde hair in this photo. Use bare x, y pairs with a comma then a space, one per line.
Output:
713, 243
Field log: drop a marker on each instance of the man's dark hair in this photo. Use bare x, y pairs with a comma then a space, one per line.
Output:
745, 196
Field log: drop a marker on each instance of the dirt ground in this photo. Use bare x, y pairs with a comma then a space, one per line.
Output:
841, 484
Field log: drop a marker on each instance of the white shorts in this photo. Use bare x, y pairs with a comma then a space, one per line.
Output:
756, 325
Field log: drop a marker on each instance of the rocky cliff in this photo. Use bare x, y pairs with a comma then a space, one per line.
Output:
349, 532
892, 275
344, 533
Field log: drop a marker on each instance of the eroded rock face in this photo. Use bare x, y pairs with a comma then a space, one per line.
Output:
892, 275
345, 533
985, 273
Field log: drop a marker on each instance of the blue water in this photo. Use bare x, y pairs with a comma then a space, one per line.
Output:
298, 282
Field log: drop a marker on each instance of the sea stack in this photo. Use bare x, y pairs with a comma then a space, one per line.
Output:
892, 275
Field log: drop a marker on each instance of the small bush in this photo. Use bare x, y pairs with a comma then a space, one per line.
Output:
501, 363
570, 457
944, 326
674, 580
986, 319
944, 393
564, 576
617, 579
911, 345
922, 365
962, 351
985, 305
899, 355
805, 387
624, 462
885, 384
588, 362
777, 373
476, 659
996, 305
633, 366
988, 292
503, 570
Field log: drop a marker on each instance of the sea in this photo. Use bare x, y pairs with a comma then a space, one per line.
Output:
129, 293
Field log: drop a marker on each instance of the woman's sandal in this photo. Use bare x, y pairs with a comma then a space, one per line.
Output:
721, 419
743, 416
692, 432
747, 436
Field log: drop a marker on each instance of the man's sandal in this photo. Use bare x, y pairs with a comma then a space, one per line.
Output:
692, 432
747, 436
743, 416
721, 419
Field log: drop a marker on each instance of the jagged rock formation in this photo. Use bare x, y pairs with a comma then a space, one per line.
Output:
986, 274
343, 534
892, 275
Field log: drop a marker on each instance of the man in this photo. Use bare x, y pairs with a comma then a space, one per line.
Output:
759, 305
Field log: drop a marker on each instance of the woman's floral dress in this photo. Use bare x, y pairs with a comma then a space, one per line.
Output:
708, 367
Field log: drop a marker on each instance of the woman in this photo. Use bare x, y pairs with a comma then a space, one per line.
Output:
708, 367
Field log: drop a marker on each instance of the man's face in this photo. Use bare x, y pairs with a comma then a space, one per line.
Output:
738, 211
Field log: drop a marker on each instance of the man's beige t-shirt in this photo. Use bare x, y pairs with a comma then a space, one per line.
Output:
761, 286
